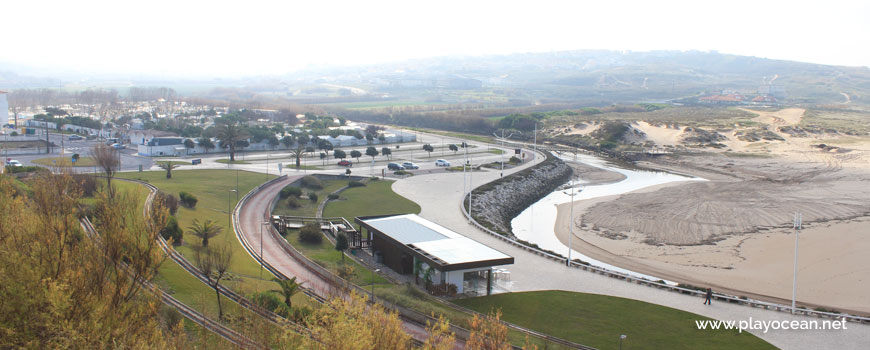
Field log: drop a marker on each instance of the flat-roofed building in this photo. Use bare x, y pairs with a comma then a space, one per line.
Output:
4, 109
402, 241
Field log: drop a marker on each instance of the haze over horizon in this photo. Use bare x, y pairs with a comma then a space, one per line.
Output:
196, 39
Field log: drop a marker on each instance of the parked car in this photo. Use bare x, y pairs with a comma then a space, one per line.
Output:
118, 146
442, 162
14, 163
410, 165
345, 162
395, 166
75, 137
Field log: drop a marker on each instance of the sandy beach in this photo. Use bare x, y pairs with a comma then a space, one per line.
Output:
734, 232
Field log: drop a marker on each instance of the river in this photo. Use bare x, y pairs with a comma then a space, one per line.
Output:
536, 224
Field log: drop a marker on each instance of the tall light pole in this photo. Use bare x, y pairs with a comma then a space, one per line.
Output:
797, 227
229, 216
261, 248
571, 222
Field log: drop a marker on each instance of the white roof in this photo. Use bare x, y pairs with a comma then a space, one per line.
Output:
433, 239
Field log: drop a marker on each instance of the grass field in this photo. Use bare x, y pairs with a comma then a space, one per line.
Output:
65, 161
306, 206
212, 188
376, 198
227, 161
598, 320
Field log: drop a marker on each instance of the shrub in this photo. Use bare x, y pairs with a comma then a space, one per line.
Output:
311, 182
346, 271
169, 201
312, 196
87, 184
187, 199
172, 231
355, 184
293, 203
310, 233
25, 169
373, 178
515, 160
332, 196
402, 172
290, 191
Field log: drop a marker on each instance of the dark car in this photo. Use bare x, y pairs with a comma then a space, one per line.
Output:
346, 163
395, 166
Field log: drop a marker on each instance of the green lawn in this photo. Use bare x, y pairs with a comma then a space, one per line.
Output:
307, 207
227, 161
173, 162
65, 161
212, 188
376, 198
598, 320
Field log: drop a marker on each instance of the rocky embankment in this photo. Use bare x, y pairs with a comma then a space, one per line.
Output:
497, 203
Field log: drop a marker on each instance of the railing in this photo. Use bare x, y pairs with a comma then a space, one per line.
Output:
337, 284
225, 332
642, 281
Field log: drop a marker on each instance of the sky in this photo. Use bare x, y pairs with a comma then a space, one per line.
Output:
219, 38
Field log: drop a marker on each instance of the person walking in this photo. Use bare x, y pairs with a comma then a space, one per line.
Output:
709, 296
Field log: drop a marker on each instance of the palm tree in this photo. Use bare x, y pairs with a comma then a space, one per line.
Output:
168, 166
205, 230
230, 133
288, 289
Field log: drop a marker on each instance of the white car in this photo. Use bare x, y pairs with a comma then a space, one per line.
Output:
442, 162
14, 163
410, 165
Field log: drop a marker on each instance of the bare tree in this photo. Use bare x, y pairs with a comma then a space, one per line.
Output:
214, 263
107, 159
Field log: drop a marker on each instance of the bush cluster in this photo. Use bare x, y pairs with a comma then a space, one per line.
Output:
293, 203
310, 233
312, 182
187, 199
355, 184
169, 201
312, 196
172, 231
290, 191
333, 196
87, 183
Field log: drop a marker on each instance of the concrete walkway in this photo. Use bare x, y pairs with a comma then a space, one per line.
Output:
440, 195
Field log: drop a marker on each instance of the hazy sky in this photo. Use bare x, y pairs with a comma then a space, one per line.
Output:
241, 37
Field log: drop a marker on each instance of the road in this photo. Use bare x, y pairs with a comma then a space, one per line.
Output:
439, 196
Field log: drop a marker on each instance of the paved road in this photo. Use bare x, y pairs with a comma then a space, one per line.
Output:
251, 218
439, 196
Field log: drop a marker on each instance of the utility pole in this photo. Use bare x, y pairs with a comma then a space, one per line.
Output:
571, 222
535, 146
797, 227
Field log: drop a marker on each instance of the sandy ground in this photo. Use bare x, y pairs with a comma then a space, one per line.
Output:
788, 116
734, 231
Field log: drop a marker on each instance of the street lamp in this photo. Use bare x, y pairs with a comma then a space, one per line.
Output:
229, 215
621, 338
571, 222
261, 248
373, 284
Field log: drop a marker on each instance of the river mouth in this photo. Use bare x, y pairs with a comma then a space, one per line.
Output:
536, 224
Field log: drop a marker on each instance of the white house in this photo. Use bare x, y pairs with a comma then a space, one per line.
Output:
162, 146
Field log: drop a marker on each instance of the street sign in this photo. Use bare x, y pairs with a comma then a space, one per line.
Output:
196, 161
280, 168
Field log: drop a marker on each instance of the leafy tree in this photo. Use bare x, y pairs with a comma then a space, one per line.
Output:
381, 137
341, 244
349, 323
463, 144
230, 132
453, 148
287, 141
206, 143
168, 166
335, 133
310, 233
339, 154
204, 230
323, 157
273, 141
428, 148
172, 232
439, 336
372, 152
370, 138
289, 288
189, 144
355, 154
387, 152
488, 333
